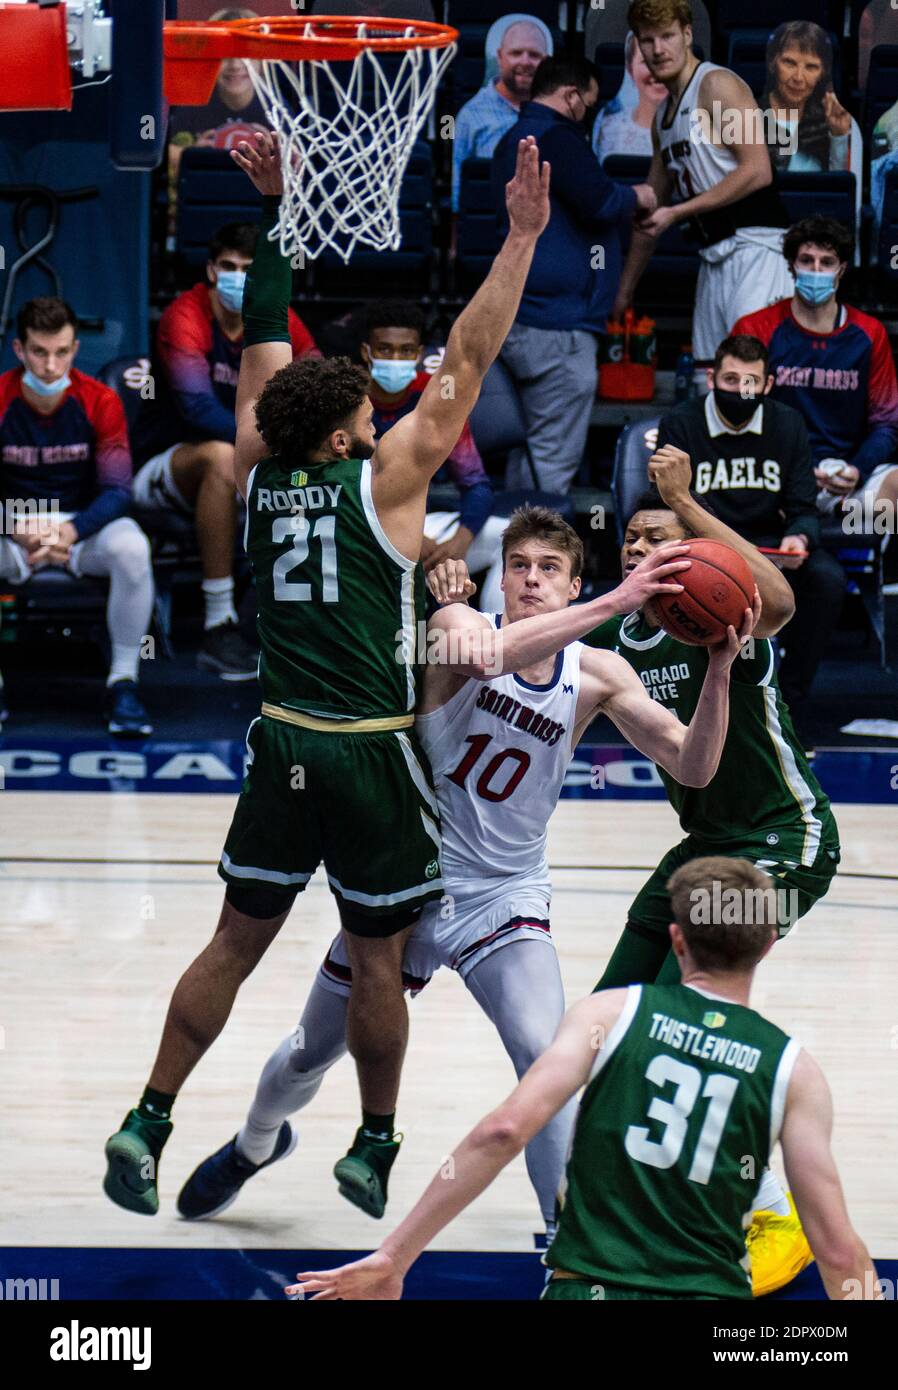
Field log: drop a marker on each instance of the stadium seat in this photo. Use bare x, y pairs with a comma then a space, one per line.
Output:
881, 89
127, 376
498, 426
767, 15
609, 59
465, 76
478, 238
861, 557
887, 243
630, 475
172, 537
211, 192
409, 268
830, 194
676, 256
459, 12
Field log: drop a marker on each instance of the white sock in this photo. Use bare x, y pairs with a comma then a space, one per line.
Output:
125, 659
770, 1195
219, 596
295, 1070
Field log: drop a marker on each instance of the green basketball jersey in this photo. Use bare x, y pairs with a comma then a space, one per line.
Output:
337, 603
763, 786
674, 1129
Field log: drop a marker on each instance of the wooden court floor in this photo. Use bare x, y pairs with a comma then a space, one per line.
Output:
107, 897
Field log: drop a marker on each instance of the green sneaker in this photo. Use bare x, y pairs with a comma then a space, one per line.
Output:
133, 1158
363, 1173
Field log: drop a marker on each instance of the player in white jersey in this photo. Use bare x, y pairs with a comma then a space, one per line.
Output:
711, 170
504, 704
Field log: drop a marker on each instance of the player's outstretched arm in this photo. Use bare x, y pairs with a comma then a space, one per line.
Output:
670, 469
266, 303
690, 752
563, 1068
412, 451
465, 642
842, 1258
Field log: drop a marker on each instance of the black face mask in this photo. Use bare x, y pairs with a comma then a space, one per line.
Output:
735, 408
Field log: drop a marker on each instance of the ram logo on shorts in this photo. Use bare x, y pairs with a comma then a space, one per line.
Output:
432, 869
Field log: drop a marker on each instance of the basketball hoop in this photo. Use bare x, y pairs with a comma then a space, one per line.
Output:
345, 136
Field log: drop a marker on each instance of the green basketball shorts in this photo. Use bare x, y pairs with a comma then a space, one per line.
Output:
798, 886
643, 955
589, 1290
360, 803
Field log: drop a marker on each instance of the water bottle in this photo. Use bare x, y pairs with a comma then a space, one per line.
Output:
683, 374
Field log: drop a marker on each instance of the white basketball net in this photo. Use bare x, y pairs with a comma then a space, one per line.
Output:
345, 144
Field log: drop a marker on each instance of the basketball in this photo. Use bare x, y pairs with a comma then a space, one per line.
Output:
717, 588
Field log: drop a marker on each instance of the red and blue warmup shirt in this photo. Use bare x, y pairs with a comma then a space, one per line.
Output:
464, 466
76, 458
195, 370
843, 382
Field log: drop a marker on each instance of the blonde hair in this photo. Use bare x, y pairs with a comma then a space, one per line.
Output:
726, 910
550, 528
655, 14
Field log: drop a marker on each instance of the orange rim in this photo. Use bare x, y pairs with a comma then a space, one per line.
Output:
193, 51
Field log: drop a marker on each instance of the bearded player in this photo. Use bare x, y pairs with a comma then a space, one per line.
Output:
682, 1083
501, 713
763, 803
334, 530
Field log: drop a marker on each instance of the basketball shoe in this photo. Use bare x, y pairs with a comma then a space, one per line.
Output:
216, 1183
132, 1154
778, 1247
364, 1172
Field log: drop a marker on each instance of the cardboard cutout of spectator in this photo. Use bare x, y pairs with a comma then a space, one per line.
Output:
514, 48
884, 156
234, 113
879, 24
624, 126
814, 133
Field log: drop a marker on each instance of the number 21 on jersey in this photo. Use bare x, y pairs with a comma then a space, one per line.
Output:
297, 527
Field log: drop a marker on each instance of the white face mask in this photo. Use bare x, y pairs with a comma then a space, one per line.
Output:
45, 388
392, 376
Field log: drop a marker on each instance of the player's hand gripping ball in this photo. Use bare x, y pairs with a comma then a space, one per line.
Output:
717, 589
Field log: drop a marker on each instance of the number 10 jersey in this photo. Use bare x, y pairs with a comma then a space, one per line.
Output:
499, 750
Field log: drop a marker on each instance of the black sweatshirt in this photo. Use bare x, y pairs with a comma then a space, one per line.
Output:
759, 480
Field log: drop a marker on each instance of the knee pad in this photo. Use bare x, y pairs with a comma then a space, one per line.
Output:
258, 900
371, 924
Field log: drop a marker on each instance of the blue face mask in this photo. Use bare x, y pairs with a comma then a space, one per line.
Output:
815, 286
392, 376
45, 388
230, 285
